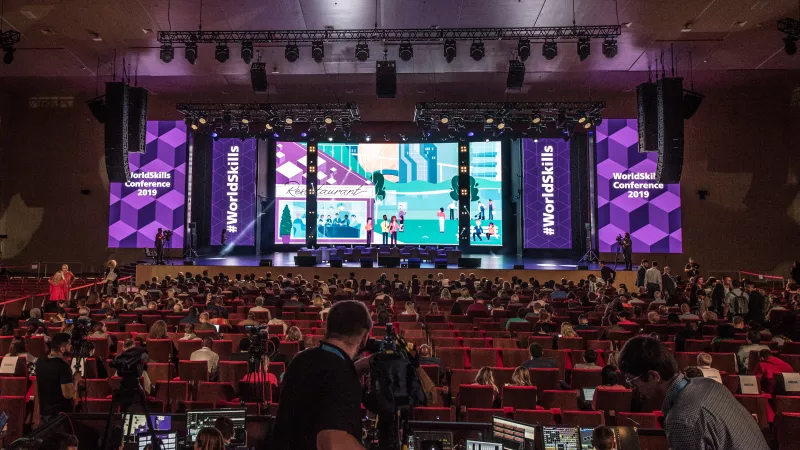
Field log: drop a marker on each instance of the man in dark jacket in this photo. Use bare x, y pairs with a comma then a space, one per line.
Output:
755, 304
640, 273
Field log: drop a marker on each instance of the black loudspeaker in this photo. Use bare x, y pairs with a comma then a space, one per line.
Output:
389, 261
366, 263
519, 266
670, 130
582, 267
188, 262
647, 106
258, 76
335, 262
265, 263
137, 119
305, 261
116, 132
440, 264
469, 263
385, 79
691, 103
97, 106
516, 75
414, 263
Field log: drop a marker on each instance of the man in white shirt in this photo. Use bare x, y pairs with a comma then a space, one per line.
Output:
206, 354
704, 364
652, 279
753, 343
452, 207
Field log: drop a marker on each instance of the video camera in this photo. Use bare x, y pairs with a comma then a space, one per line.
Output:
167, 235
131, 363
80, 330
260, 344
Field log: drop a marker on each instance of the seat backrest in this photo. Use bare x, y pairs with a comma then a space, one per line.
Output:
476, 342
755, 404
535, 417
641, 420
459, 377
686, 359
613, 401
435, 414
514, 357
481, 357
571, 343
475, 396
583, 418
101, 347
454, 357
13, 386
215, 391
560, 357
563, 400
223, 348
788, 428
724, 362
544, 378
186, 348
783, 403
172, 392
792, 359
482, 415
519, 397
546, 342
14, 405
586, 378
232, 371
160, 371
158, 350
193, 371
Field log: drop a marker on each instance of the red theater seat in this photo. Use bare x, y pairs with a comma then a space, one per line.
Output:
459, 377
613, 402
788, 427
544, 379
14, 386
14, 406
172, 393
582, 418
454, 357
475, 396
586, 378
485, 357
641, 420
215, 392
561, 400
783, 404
755, 404
435, 414
519, 397
514, 357
535, 417
483, 415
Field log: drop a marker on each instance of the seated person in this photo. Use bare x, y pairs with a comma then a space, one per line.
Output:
603, 438
521, 377
426, 357
610, 378
753, 343
537, 361
189, 333
206, 354
704, 364
590, 358
485, 377
521, 313
769, 365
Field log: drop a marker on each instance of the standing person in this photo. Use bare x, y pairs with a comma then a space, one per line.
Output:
607, 274
795, 272
393, 227
58, 287
627, 251
320, 406
440, 214
653, 280
491, 209
160, 246
640, 273
55, 383
69, 277
368, 227
452, 207
668, 283
223, 237
481, 211
401, 223
755, 303
699, 412
385, 230
692, 269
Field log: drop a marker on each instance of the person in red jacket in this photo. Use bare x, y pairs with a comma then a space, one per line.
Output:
767, 367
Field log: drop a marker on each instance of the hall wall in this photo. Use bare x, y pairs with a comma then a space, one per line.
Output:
740, 147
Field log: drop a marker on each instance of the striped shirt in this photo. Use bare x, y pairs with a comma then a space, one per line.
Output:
704, 415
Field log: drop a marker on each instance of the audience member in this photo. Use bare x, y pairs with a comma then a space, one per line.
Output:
209, 439
767, 367
704, 361
537, 361
753, 344
590, 360
521, 377
206, 354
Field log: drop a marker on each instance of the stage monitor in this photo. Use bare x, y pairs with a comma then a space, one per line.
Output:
156, 193
169, 441
629, 198
513, 435
560, 438
233, 192
547, 200
486, 202
139, 423
197, 420
625, 438
478, 445
356, 182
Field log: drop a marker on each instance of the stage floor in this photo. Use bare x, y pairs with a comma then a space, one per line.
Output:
283, 263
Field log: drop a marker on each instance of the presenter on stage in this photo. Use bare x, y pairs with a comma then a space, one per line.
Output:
160, 246
452, 207
368, 228
385, 229
440, 214
627, 251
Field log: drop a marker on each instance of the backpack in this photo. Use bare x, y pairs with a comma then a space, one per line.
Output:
739, 303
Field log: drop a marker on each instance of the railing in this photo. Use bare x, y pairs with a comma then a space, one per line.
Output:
15, 306
763, 279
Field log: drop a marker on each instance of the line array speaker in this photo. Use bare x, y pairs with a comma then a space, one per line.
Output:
258, 76
116, 132
670, 130
385, 79
647, 108
137, 119
516, 75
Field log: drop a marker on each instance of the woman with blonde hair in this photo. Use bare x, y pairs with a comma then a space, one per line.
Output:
410, 311
521, 377
209, 438
567, 331
445, 294
434, 309
158, 330
111, 277
485, 377
58, 287
317, 300
295, 335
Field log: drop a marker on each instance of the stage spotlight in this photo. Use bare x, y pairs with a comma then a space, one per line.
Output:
444, 119
167, 53
362, 50
289, 121
203, 120
222, 53
367, 138
246, 119
536, 119
476, 51
215, 135
247, 51
292, 52
489, 120
524, 49
501, 125
268, 126
406, 51
584, 48
403, 137
317, 50
470, 133
610, 48
581, 118
330, 138
549, 50
587, 125
195, 126
190, 52
790, 45
328, 120
449, 50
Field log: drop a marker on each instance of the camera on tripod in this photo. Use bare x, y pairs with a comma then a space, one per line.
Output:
386, 345
167, 235
260, 344
619, 239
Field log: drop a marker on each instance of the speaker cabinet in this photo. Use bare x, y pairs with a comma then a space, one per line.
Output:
116, 132
386, 79
670, 130
366, 263
305, 261
335, 262
469, 263
137, 119
389, 261
647, 109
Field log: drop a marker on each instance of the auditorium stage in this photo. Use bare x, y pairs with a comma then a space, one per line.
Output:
283, 263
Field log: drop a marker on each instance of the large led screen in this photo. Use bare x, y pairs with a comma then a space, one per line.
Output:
155, 196
357, 183
546, 193
486, 189
629, 199
233, 191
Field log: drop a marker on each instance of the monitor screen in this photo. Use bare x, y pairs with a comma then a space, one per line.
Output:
197, 420
139, 423
588, 394
169, 441
477, 445
512, 434
586, 438
560, 438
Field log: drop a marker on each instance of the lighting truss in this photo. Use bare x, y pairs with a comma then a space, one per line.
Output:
394, 35
511, 112
9, 38
339, 113
789, 26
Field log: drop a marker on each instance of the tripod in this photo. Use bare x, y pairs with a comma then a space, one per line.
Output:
590, 256
393, 430
83, 391
129, 391
190, 252
256, 380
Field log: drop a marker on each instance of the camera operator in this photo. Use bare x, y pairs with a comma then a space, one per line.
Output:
56, 386
160, 238
320, 407
627, 250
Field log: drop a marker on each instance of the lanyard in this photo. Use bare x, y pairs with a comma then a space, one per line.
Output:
674, 397
335, 350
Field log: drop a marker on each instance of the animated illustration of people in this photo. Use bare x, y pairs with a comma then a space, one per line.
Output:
368, 227
441, 220
346, 221
393, 226
297, 225
452, 207
477, 231
491, 209
482, 211
353, 221
491, 231
385, 230
402, 214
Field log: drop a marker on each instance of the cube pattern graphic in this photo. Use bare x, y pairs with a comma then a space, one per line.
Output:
654, 221
135, 214
243, 231
534, 204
